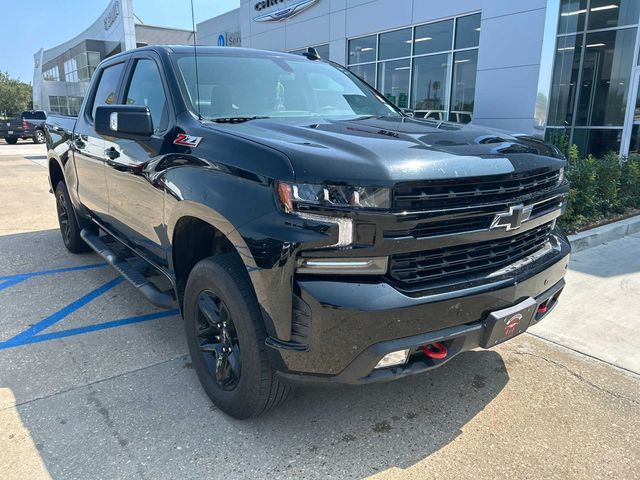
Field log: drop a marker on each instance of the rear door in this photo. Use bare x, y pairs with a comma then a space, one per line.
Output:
89, 147
136, 197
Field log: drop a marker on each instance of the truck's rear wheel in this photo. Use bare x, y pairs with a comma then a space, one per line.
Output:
68, 221
38, 136
226, 339
11, 140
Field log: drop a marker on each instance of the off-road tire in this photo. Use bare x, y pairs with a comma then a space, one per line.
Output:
258, 388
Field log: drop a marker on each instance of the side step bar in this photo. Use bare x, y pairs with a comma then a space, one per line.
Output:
130, 273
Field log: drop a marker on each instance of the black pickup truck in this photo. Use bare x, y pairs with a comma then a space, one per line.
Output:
308, 229
29, 124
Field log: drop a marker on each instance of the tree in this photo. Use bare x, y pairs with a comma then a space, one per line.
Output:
15, 96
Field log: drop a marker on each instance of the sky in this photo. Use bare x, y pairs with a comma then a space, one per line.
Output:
28, 25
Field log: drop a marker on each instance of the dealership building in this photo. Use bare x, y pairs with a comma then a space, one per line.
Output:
544, 67
61, 74
553, 68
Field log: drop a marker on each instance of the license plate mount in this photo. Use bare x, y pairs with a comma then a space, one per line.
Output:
503, 325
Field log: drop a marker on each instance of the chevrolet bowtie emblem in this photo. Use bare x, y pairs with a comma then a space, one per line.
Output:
512, 219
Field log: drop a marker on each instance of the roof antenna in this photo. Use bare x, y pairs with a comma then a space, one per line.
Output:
195, 58
311, 54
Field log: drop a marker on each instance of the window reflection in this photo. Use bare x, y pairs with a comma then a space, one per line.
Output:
572, 16
430, 86
468, 31
463, 88
565, 80
613, 13
395, 44
606, 73
366, 72
393, 81
597, 142
432, 38
363, 49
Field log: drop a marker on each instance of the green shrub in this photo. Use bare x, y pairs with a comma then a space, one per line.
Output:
601, 188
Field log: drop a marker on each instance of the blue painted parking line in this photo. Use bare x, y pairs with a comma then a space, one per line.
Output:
33, 335
11, 280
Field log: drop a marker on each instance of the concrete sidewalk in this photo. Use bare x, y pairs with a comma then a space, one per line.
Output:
599, 310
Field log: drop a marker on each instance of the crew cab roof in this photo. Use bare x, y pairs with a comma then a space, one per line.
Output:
205, 49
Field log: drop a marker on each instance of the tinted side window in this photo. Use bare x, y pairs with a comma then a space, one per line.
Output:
107, 87
36, 115
146, 89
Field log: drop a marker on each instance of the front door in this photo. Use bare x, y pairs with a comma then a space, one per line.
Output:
136, 199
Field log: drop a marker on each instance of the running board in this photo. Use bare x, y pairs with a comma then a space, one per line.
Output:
128, 270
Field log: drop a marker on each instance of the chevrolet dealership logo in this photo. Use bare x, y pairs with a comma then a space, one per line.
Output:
512, 219
283, 13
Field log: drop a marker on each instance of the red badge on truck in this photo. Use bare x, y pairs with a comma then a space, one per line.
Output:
187, 140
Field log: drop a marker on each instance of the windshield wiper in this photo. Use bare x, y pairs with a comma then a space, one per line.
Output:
235, 119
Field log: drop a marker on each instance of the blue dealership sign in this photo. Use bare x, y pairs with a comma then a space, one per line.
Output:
221, 40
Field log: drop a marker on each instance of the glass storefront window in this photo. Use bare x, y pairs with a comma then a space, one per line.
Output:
613, 13
572, 16
366, 72
565, 80
463, 87
431, 86
432, 38
393, 81
597, 142
430, 68
363, 50
606, 74
395, 44
468, 31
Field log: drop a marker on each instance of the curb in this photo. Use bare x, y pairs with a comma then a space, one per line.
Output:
605, 233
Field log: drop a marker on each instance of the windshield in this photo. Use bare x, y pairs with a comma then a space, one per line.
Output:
234, 86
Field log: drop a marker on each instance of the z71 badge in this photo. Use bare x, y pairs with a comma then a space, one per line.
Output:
187, 140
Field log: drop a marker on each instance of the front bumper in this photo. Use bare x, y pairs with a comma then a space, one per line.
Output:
353, 325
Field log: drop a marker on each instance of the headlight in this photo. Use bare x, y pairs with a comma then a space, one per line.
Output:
332, 196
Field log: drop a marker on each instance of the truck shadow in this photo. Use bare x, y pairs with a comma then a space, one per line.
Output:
363, 430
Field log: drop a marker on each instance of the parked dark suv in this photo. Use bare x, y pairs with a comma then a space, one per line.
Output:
308, 230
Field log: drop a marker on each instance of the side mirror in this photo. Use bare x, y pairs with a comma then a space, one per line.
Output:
124, 121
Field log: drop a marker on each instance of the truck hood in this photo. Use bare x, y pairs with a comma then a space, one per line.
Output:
384, 151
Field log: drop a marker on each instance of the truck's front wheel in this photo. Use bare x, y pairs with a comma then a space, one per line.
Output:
226, 338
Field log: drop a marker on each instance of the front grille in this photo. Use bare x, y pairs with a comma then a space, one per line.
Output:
465, 263
443, 227
455, 193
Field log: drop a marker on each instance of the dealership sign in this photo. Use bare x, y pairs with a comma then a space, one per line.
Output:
283, 13
112, 15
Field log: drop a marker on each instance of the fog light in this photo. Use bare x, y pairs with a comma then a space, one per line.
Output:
393, 358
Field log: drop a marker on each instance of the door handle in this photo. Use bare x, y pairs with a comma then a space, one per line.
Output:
79, 144
112, 153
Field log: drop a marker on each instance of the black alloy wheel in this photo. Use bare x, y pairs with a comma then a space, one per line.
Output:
63, 217
218, 340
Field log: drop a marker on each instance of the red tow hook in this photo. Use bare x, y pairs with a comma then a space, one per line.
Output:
435, 350
543, 308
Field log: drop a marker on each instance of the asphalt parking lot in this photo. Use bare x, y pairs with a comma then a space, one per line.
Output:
97, 383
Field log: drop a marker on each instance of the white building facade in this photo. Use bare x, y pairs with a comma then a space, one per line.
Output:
61, 74
546, 67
